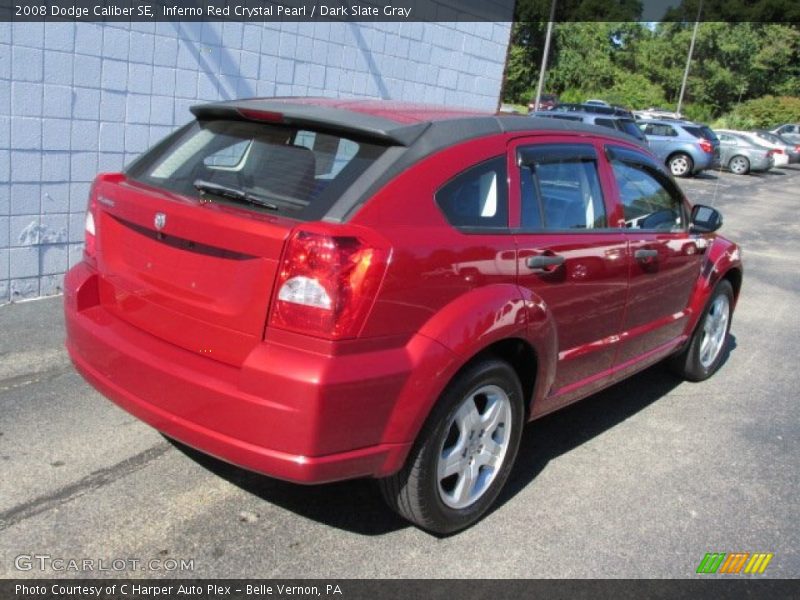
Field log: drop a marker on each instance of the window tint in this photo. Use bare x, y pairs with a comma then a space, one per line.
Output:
629, 126
605, 123
657, 129
296, 172
562, 194
532, 217
701, 132
646, 198
477, 197
332, 152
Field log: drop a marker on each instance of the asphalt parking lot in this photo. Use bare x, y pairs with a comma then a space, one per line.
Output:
639, 481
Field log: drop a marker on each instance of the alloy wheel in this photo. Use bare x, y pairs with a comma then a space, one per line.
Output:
739, 165
715, 328
679, 166
475, 446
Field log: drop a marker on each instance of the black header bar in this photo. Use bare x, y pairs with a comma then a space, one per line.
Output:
399, 10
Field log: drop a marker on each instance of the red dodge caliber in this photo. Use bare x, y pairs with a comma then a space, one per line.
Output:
326, 289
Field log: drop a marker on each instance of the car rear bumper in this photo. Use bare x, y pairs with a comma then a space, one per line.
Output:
761, 163
708, 162
289, 413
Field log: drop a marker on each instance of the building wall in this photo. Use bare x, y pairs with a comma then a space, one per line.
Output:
76, 99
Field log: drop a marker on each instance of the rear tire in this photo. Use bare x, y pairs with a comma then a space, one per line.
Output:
739, 165
706, 349
464, 453
680, 165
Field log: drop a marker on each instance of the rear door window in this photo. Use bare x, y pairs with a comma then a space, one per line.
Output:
658, 129
283, 169
560, 188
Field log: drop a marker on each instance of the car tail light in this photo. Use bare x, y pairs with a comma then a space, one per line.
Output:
706, 146
327, 284
90, 228
777, 151
797, 148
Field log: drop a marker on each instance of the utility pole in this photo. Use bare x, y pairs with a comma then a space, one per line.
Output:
544, 56
689, 58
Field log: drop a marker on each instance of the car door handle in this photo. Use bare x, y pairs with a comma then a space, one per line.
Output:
544, 261
645, 254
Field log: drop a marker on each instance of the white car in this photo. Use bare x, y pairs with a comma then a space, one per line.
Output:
778, 153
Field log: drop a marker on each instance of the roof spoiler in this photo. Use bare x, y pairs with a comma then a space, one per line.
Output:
327, 119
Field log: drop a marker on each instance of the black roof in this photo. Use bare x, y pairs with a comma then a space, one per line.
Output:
440, 132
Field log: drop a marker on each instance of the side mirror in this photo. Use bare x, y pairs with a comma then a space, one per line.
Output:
705, 219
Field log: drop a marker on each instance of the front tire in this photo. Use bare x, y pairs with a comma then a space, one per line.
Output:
464, 453
680, 165
706, 349
739, 165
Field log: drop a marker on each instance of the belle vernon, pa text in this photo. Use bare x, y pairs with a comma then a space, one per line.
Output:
139, 590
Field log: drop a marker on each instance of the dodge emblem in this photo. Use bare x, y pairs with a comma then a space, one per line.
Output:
160, 221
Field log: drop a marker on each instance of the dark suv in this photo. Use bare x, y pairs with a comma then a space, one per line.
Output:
320, 289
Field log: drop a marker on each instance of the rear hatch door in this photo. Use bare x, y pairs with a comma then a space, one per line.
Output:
186, 253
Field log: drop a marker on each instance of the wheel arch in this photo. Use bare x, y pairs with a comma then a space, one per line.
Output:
722, 261
520, 355
734, 276
676, 152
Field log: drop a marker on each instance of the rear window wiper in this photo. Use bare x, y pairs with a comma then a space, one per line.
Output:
232, 194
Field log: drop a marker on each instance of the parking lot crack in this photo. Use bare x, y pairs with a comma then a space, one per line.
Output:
88, 484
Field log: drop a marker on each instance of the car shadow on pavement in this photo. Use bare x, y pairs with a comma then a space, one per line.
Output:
558, 433
354, 506
710, 175
357, 506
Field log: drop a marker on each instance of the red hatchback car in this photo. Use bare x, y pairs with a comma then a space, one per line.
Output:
325, 289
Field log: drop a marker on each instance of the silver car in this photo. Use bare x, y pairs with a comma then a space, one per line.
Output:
789, 131
774, 140
740, 154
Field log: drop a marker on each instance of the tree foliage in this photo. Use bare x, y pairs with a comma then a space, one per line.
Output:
640, 65
763, 112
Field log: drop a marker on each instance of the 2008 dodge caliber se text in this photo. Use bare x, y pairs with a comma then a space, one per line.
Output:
325, 289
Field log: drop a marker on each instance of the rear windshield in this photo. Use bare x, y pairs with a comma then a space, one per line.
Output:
701, 132
296, 172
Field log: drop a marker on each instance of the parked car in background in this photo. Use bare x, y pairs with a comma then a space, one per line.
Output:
778, 149
791, 149
595, 108
741, 155
323, 289
597, 102
687, 148
610, 120
789, 131
656, 113
546, 102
